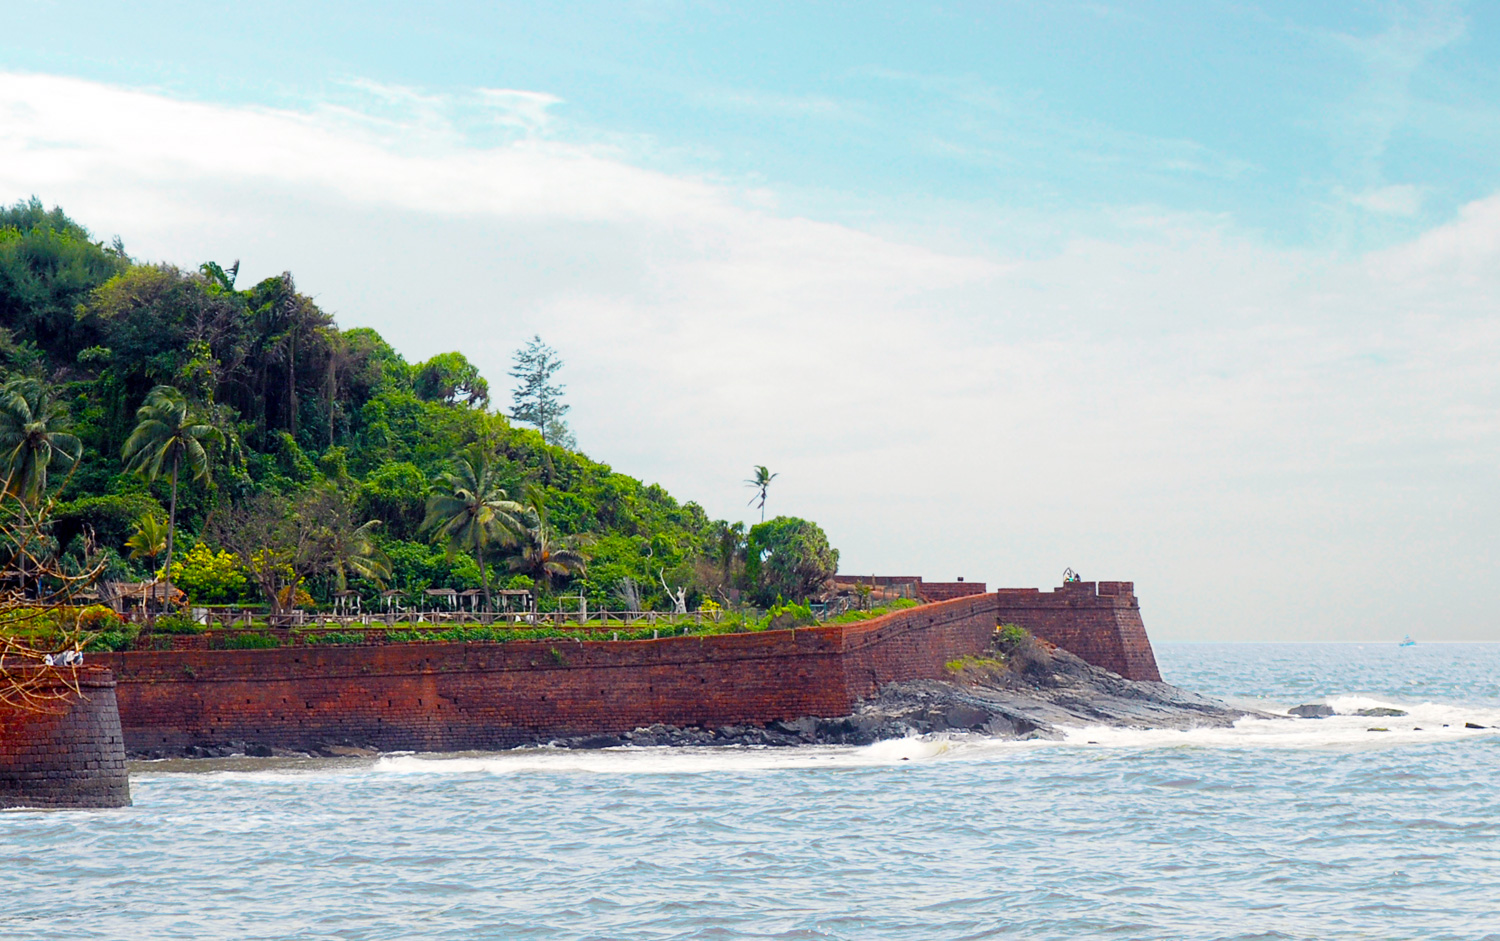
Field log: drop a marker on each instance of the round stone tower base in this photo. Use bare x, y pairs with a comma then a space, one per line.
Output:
70, 755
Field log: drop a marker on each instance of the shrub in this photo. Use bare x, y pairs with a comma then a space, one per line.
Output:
242, 641
97, 618
1021, 650
177, 623
782, 616
122, 639
975, 667
210, 577
334, 637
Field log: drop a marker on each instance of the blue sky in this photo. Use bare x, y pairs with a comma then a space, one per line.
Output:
1280, 117
1199, 294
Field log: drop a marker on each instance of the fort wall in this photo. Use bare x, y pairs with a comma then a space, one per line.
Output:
1098, 621
70, 756
455, 696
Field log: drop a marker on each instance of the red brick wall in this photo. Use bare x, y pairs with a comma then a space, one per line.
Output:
1100, 622
446, 696
927, 591
72, 757
945, 591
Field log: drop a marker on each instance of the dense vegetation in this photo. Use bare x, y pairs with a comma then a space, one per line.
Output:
276, 458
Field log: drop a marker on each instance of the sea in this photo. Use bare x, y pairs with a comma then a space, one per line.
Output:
1345, 827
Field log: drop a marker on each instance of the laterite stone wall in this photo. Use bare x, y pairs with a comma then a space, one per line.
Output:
1100, 622
72, 756
455, 696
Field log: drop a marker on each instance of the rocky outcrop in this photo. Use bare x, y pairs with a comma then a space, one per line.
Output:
1051, 690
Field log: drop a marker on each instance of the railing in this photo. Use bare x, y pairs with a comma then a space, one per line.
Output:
253, 619
233, 629
592, 620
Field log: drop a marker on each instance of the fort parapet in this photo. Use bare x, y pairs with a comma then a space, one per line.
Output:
911, 586
455, 696
1098, 621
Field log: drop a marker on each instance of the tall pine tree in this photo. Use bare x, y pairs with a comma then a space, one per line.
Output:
537, 400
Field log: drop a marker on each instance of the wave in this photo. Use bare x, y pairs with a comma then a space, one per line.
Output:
1424, 723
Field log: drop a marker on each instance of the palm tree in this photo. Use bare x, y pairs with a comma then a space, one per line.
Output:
350, 547
149, 539
31, 442
544, 554
761, 482
471, 511
168, 435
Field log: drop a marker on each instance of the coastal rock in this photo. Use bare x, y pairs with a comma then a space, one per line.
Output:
1315, 710
1381, 712
994, 701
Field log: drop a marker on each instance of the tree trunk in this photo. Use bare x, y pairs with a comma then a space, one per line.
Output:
484, 576
172, 524
333, 382
291, 384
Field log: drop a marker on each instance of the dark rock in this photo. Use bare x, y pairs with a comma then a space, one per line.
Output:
1315, 710
966, 717
1471, 725
1005, 703
259, 751
599, 741
1381, 712
349, 751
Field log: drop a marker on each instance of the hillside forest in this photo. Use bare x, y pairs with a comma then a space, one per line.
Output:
151, 413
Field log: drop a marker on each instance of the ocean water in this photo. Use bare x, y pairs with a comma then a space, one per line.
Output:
1284, 828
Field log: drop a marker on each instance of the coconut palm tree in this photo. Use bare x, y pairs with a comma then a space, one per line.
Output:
149, 539
168, 436
349, 546
471, 511
544, 554
761, 482
31, 439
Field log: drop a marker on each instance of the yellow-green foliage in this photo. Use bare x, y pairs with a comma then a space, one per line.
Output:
210, 577
1010, 636
46, 628
973, 665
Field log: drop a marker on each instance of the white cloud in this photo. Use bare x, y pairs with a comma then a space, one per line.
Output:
1272, 443
1399, 200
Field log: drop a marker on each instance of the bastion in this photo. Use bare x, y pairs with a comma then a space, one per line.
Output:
70, 754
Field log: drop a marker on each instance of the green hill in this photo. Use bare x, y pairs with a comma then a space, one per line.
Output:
323, 431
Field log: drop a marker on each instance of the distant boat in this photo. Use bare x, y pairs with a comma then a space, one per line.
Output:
1407, 642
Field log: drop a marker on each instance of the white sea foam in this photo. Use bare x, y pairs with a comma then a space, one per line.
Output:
1424, 723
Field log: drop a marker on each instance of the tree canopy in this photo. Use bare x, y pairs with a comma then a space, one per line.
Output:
269, 410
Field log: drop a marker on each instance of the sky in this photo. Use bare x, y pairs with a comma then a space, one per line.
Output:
1201, 295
